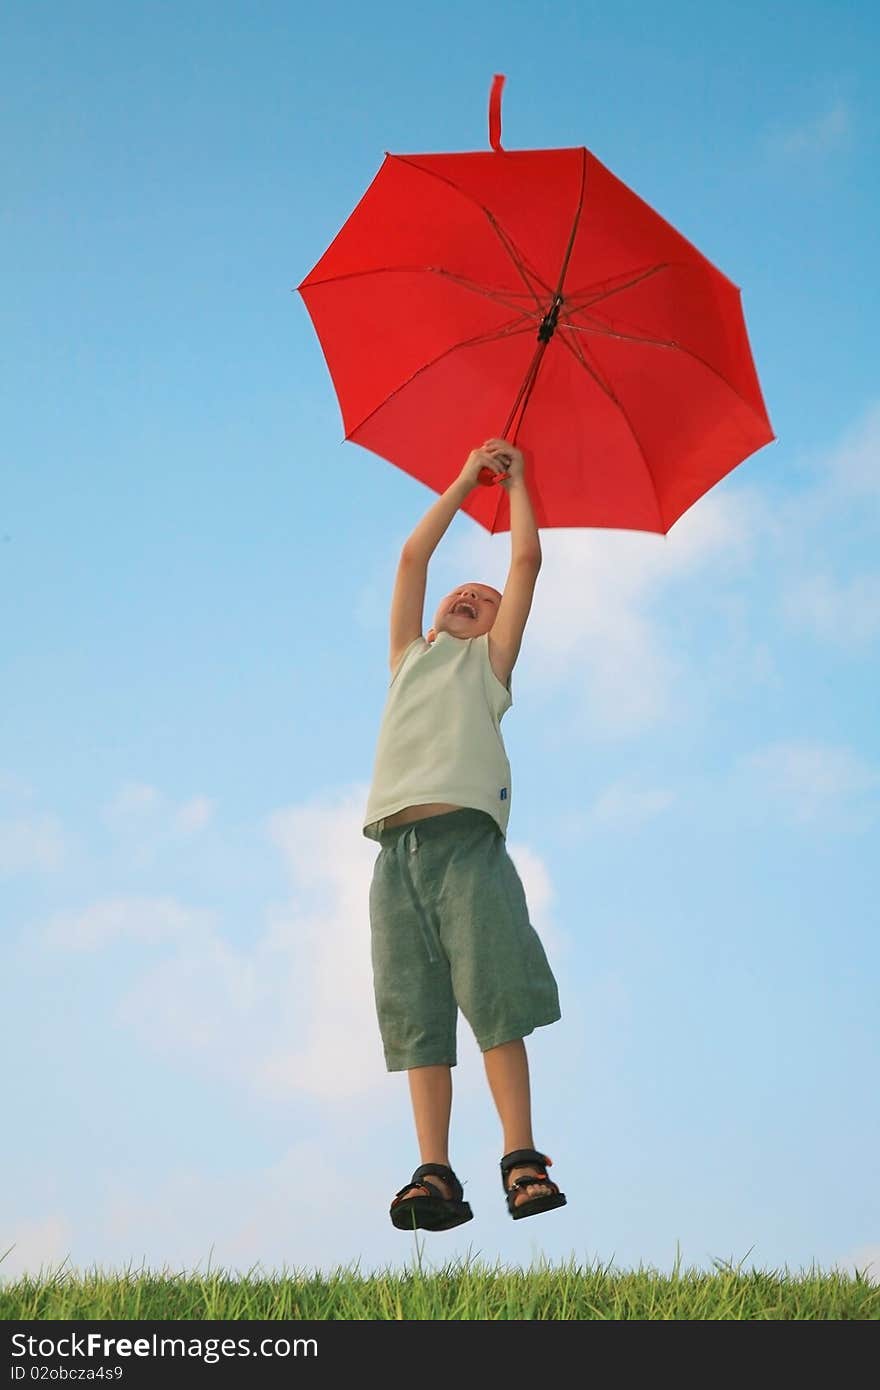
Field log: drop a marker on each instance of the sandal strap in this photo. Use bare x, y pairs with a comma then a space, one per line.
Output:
437, 1170
535, 1180
431, 1190
523, 1157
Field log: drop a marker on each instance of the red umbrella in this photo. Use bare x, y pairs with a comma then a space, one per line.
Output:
533, 287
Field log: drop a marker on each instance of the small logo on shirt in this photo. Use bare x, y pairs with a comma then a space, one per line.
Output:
503, 794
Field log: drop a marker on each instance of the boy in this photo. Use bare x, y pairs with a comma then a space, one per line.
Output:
448, 917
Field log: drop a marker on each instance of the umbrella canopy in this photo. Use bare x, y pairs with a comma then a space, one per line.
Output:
530, 295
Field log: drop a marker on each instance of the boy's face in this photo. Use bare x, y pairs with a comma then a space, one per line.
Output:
468, 611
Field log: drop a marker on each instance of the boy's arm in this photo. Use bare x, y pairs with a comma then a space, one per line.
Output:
407, 606
435, 523
506, 634
525, 543
408, 602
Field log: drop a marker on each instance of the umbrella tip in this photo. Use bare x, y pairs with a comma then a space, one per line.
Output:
495, 112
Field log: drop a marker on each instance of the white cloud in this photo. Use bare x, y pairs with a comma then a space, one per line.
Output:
372, 607
147, 823
823, 134
837, 479
847, 614
32, 844
538, 889
855, 461
623, 804
597, 625
193, 815
608, 629
263, 1219
865, 1259
133, 801
15, 788
620, 806
135, 919
838, 501
314, 1209
294, 1011
812, 782
327, 856
33, 1247
138, 807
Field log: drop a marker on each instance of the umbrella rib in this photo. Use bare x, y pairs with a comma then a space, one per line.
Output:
574, 347
502, 297
518, 260
676, 347
497, 296
595, 298
604, 332
574, 226
507, 331
612, 395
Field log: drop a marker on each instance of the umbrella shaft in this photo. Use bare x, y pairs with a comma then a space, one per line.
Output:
548, 322
525, 392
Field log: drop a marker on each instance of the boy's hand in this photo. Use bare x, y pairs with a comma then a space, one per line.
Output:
477, 460
509, 455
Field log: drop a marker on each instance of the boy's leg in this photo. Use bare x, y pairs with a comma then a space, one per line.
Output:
507, 1071
430, 1091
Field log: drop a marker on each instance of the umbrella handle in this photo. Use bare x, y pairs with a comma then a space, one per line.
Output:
487, 477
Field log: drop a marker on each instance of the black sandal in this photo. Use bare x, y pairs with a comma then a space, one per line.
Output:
433, 1212
534, 1205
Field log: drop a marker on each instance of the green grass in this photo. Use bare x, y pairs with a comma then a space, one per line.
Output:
459, 1290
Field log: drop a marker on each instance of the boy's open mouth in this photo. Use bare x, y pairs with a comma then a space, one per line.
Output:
469, 607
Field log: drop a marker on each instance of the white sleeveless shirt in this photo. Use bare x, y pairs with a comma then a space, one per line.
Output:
440, 736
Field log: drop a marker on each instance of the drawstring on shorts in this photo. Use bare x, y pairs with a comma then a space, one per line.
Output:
407, 844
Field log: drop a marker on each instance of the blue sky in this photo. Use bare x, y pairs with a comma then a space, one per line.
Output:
195, 574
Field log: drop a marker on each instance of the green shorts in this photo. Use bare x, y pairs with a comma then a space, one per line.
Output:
450, 930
